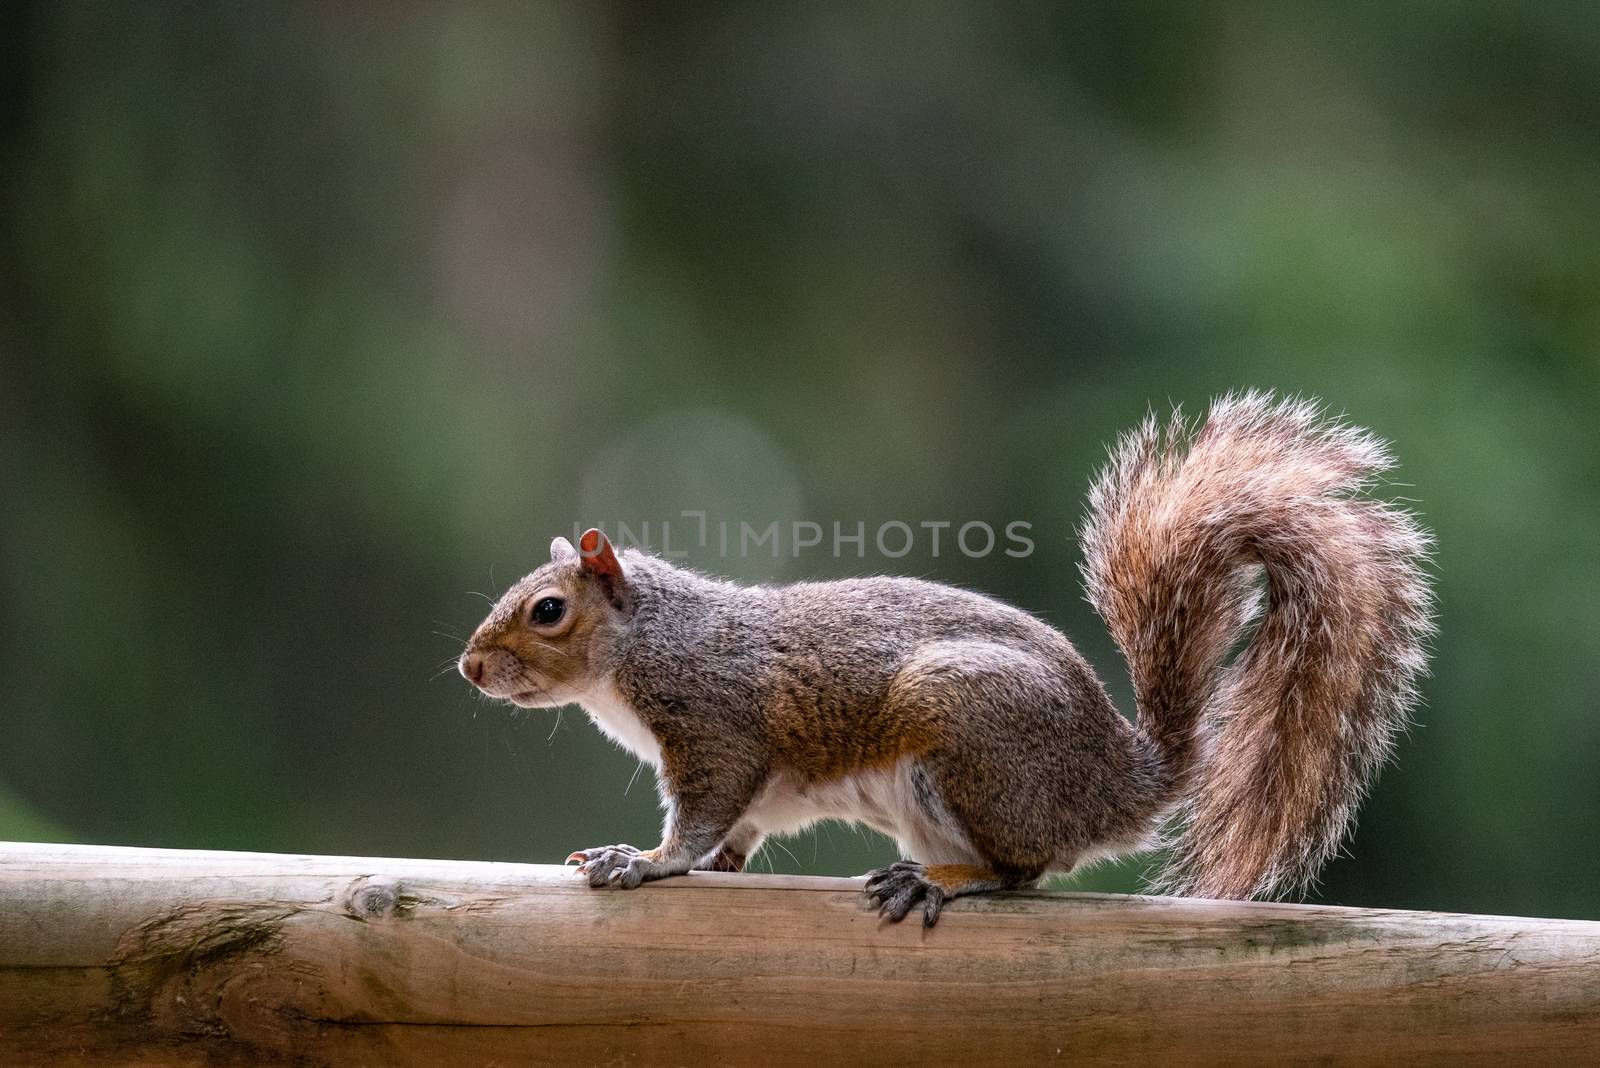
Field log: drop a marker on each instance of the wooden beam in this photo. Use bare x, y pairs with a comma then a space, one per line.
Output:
147, 956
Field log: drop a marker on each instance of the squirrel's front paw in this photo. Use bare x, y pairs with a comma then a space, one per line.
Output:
616, 865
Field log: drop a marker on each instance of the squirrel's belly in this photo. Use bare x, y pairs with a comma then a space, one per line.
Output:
895, 800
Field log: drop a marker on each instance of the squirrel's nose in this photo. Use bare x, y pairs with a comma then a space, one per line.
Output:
472, 668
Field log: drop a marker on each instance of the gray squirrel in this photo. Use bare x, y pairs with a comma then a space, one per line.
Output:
974, 734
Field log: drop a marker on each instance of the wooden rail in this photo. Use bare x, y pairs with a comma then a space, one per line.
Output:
146, 956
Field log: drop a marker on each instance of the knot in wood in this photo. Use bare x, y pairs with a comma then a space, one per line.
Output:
372, 899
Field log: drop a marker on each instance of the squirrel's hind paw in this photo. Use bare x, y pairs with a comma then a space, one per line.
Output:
894, 891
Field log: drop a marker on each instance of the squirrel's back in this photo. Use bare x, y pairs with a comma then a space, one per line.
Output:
815, 650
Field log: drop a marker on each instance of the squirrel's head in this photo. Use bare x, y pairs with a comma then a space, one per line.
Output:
546, 642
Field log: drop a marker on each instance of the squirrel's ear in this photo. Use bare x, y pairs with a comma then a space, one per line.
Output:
594, 548
561, 549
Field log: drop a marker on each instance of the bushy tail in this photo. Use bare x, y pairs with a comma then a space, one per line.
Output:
1269, 755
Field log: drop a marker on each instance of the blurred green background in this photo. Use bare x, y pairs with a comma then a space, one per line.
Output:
318, 318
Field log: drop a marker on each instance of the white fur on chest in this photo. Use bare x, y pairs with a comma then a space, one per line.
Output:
619, 722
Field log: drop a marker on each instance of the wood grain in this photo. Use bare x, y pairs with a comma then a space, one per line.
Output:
145, 957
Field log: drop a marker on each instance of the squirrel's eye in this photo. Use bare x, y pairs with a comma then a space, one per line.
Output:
547, 610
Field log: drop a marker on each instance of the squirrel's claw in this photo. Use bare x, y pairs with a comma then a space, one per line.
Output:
894, 891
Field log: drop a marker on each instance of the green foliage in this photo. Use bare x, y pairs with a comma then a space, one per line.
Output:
317, 319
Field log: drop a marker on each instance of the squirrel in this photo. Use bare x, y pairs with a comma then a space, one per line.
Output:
973, 733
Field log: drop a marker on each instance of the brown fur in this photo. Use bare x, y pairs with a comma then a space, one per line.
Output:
956, 879
823, 740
